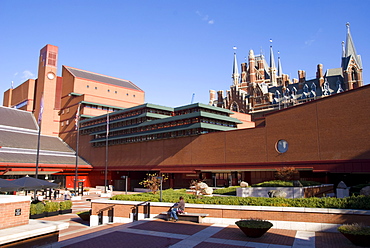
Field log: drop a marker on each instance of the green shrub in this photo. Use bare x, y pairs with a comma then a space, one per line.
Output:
254, 223
170, 195
357, 188
51, 206
226, 191
279, 183
84, 212
64, 205
37, 208
355, 229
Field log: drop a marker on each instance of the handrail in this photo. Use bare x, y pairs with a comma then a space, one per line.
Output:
106, 208
142, 203
135, 210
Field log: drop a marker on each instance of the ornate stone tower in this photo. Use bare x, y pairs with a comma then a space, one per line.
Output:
351, 64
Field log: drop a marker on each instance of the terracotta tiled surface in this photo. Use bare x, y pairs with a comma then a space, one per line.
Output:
273, 236
171, 227
214, 245
332, 240
160, 233
120, 239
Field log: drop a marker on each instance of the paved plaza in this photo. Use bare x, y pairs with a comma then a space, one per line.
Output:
182, 234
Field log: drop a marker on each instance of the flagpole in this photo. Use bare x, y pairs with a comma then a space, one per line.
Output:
38, 152
106, 156
77, 143
38, 139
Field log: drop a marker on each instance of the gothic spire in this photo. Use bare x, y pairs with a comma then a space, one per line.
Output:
350, 48
272, 69
235, 75
279, 69
272, 60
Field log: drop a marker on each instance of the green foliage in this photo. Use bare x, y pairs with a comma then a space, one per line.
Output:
84, 212
226, 191
355, 229
254, 223
153, 182
280, 183
357, 188
37, 208
51, 206
170, 195
64, 205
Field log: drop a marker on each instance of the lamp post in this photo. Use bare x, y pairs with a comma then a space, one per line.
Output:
125, 177
160, 192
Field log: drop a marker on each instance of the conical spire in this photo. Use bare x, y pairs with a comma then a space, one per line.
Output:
272, 69
235, 75
272, 60
279, 69
350, 48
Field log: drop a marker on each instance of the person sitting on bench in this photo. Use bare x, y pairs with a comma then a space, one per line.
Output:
177, 208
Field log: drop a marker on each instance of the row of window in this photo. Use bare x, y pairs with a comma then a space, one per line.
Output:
108, 90
114, 117
158, 136
198, 109
152, 127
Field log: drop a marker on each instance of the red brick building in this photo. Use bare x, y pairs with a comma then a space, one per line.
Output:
325, 139
262, 87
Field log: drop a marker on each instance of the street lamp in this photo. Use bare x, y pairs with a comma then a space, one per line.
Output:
125, 177
160, 192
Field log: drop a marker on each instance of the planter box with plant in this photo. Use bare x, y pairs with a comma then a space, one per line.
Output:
84, 215
254, 228
356, 233
37, 210
51, 208
65, 207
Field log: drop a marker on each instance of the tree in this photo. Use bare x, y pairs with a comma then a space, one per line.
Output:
153, 182
285, 173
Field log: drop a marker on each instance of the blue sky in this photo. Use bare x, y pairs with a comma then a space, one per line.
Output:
174, 49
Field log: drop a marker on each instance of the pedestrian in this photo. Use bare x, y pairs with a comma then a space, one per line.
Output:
177, 208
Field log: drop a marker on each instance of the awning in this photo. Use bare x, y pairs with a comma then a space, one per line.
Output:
30, 172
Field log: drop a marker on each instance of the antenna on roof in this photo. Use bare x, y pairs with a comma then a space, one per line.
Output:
12, 85
192, 98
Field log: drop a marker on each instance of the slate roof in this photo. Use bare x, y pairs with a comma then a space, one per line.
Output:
18, 141
20, 157
102, 78
17, 118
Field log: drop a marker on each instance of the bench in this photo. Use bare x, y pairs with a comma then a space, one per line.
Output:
194, 217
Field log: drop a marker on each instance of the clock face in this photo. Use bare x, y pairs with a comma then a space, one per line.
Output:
282, 146
51, 75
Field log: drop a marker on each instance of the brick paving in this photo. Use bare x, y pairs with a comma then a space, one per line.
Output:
171, 227
332, 240
182, 234
273, 236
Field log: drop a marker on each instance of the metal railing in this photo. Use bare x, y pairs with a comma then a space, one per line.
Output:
135, 210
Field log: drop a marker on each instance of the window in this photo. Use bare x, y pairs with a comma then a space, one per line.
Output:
87, 86
108, 90
115, 92
67, 122
96, 87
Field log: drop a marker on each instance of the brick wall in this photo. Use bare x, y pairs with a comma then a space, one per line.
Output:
290, 214
8, 207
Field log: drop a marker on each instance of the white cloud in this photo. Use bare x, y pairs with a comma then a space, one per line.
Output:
313, 37
27, 74
205, 17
